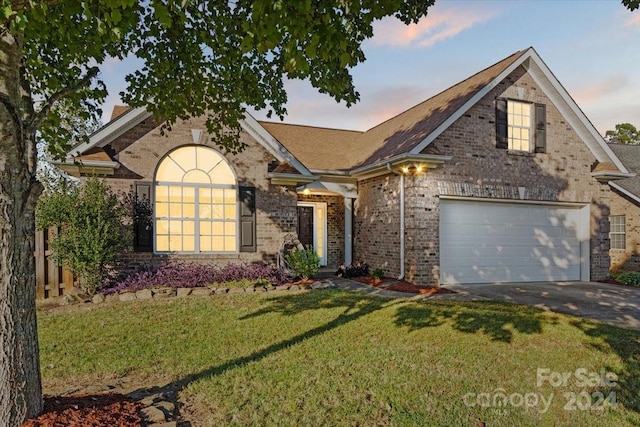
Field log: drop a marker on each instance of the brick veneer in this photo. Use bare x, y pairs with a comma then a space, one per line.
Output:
629, 258
275, 205
335, 226
479, 169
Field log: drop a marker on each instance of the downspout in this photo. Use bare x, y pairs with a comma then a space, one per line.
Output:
402, 225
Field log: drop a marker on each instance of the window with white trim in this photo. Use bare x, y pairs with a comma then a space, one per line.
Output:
519, 125
196, 203
617, 233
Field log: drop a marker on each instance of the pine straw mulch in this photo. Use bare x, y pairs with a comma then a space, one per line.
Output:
89, 411
391, 284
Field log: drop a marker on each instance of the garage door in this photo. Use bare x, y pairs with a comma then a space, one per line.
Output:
485, 242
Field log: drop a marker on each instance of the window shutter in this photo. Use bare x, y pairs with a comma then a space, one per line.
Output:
501, 124
541, 128
247, 219
143, 223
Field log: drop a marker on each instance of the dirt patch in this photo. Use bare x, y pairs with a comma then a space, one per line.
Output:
89, 411
401, 286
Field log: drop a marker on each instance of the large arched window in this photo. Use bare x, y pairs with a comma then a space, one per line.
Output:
195, 202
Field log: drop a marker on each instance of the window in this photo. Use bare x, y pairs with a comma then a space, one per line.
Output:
520, 126
195, 202
617, 234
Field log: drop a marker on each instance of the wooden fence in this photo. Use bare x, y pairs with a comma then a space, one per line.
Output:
52, 280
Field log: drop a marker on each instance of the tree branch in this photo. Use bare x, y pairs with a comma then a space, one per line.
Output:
49, 103
12, 110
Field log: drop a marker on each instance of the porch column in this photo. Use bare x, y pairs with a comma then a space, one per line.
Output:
348, 230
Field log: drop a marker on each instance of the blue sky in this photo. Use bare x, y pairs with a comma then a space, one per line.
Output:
592, 46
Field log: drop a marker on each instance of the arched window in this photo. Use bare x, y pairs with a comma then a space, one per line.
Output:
195, 202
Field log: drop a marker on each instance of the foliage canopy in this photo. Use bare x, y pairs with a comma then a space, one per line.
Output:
625, 133
92, 234
200, 58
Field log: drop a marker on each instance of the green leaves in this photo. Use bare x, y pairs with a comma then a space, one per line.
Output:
91, 218
625, 133
200, 58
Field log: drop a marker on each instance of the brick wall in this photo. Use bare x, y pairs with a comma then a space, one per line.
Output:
335, 226
377, 224
629, 258
276, 213
479, 169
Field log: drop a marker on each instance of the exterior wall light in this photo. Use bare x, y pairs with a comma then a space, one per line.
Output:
412, 169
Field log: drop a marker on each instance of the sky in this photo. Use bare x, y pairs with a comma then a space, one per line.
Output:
592, 47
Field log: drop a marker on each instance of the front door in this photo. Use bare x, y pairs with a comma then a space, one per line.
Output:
312, 226
305, 225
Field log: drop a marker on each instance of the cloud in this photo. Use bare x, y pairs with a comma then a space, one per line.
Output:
596, 91
307, 106
439, 25
633, 22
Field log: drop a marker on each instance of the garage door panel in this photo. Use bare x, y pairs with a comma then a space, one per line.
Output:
499, 242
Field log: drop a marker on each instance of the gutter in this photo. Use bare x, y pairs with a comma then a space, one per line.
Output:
379, 168
402, 223
606, 176
89, 163
624, 191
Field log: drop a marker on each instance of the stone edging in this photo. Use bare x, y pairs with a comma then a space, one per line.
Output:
167, 292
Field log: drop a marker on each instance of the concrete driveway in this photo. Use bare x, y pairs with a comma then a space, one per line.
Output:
612, 304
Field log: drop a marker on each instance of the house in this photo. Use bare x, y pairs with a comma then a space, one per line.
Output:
499, 178
625, 211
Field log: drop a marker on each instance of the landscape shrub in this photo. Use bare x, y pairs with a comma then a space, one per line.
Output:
92, 233
359, 269
377, 273
190, 275
304, 263
629, 278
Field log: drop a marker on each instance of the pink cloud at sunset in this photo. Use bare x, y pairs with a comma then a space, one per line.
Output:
633, 21
597, 91
439, 25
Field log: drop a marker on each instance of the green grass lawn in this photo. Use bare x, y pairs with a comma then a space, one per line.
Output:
336, 358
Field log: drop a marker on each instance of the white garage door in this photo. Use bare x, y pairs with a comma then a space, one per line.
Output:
484, 242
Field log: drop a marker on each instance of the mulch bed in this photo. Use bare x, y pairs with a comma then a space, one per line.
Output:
391, 284
89, 411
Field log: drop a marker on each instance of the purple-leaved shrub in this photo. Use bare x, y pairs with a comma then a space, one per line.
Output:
187, 275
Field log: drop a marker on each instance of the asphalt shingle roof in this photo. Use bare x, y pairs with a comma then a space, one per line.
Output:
334, 149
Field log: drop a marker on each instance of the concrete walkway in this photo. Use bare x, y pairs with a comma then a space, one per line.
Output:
611, 304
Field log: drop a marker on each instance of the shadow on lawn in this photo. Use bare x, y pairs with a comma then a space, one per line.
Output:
492, 319
626, 344
499, 322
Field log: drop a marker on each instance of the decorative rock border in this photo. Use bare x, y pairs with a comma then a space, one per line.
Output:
167, 292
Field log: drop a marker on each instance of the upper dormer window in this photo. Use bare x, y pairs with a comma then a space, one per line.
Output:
521, 126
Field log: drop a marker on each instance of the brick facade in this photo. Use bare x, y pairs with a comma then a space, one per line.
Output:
335, 226
479, 169
275, 205
629, 258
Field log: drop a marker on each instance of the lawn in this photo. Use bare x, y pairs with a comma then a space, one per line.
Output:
337, 358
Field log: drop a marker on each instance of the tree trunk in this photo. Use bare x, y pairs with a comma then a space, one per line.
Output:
20, 384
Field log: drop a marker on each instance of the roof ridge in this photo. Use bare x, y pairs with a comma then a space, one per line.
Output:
309, 126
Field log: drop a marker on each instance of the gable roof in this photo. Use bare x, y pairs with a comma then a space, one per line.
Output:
406, 131
129, 118
412, 131
316, 147
630, 156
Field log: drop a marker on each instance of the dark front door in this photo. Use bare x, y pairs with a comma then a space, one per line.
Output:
305, 225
